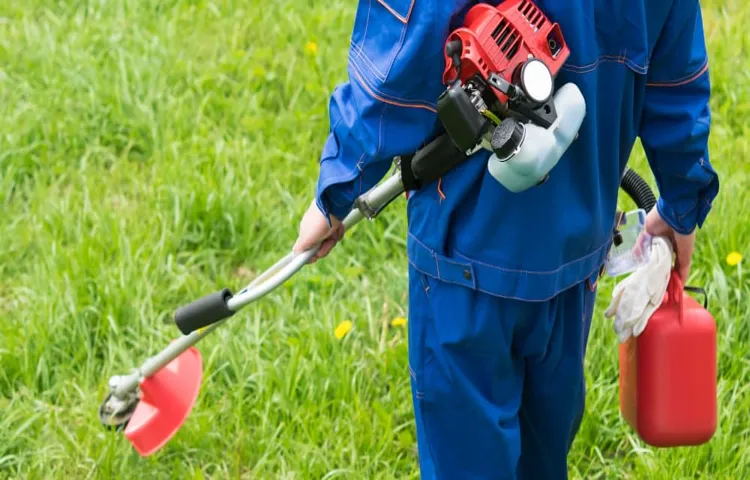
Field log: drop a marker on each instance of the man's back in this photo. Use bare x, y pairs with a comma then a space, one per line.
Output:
626, 57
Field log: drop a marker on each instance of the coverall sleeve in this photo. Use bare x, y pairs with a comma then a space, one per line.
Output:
676, 120
387, 106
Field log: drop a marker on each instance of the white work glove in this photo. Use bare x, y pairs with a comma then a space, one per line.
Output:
636, 298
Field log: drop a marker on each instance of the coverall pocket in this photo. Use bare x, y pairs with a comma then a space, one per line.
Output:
379, 33
463, 352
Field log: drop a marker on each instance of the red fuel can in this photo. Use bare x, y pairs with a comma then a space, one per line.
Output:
668, 373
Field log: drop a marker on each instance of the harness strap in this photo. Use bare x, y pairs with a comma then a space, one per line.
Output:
408, 179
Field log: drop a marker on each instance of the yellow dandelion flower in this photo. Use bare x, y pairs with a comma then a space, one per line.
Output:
398, 322
343, 328
311, 48
734, 258
259, 72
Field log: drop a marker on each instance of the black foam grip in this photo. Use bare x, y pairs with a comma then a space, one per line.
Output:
436, 159
203, 312
637, 189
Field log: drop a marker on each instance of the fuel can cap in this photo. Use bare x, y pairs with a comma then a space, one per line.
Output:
536, 80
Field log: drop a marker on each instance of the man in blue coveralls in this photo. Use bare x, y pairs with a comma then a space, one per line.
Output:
502, 285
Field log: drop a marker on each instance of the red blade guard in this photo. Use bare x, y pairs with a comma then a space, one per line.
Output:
167, 398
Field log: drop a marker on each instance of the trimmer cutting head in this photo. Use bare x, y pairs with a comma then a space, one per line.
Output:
167, 397
115, 413
153, 412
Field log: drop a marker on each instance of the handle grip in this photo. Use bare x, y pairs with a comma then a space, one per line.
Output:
676, 288
204, 312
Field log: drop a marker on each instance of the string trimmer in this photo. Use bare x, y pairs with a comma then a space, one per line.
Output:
151, 403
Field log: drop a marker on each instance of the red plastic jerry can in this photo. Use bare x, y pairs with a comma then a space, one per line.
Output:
668, 373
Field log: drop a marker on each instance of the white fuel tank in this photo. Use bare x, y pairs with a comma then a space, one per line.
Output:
530, 151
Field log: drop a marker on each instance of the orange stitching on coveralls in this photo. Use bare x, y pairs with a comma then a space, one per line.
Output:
361, 76
371, 87
392, 102
681, 81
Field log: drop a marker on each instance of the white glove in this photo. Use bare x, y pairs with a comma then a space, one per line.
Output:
636, 298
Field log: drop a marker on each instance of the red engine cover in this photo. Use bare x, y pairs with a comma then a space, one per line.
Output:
499, 39
668, 374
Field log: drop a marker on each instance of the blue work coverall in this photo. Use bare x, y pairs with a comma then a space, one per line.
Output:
502, 285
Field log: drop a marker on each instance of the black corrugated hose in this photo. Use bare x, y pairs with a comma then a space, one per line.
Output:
637, 188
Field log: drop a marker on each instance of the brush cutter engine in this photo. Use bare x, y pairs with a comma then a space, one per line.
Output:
500, 71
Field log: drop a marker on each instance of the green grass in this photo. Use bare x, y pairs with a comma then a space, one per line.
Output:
151, 152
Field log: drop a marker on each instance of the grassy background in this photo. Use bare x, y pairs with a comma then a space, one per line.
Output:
151, 152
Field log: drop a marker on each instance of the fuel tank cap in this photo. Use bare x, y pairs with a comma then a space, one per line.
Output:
507, 137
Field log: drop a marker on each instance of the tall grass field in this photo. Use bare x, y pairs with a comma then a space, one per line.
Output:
154, 152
